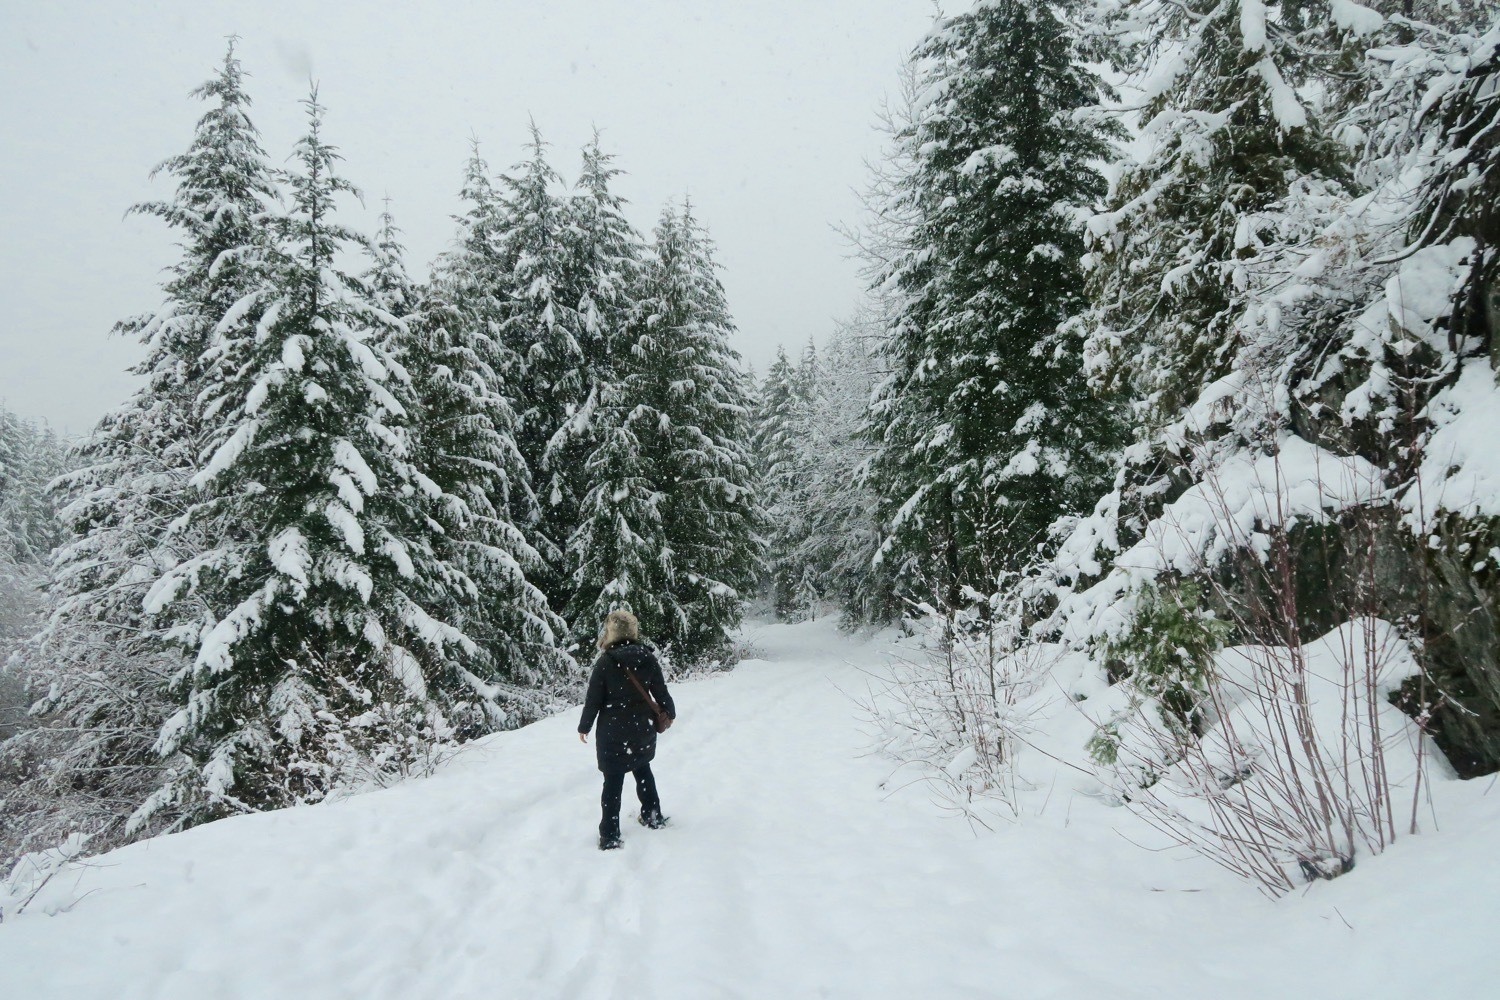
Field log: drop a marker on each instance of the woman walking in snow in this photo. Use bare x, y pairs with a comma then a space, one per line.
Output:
628, 695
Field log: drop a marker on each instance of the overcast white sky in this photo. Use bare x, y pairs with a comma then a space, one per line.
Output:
762, 110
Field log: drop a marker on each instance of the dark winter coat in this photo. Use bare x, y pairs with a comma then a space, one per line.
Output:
627, 731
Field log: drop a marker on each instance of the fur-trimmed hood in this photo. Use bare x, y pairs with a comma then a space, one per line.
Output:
619, 626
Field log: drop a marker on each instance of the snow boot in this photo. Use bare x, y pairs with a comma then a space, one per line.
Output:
610, 843
653, 821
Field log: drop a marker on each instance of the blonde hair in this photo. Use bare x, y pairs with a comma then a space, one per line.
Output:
619, 626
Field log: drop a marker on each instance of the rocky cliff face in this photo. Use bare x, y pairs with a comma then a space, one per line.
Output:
1460, 624
1369, 563
1429, 557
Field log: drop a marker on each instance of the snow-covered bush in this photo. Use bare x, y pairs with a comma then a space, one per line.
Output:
1188, 680
1246, 733
31, 873
1299, 764
962, 702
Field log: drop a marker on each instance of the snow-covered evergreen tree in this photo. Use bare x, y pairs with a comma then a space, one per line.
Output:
472, 266
809, 442
986, 429
12, 461
1231, 141
1216, 269
620, 552
781, 428
386, 277
471, 278
713, 517
540, 330
606, 264
101, 660
670, 526
31, 457
1216, 277
605, 270
777, 417
126, 500
606, 257
462, 442
841, 534
321, 660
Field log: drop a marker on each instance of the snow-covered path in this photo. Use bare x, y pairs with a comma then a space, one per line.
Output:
788, 871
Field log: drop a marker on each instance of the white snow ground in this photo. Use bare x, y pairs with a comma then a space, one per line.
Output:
789, 871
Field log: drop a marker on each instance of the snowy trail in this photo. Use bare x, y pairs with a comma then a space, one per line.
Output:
788, 871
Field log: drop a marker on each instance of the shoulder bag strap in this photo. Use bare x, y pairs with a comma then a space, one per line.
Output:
639, 687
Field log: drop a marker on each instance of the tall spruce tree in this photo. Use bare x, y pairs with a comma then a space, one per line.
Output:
473, 284
712, 518
779, 440
986, 430
473, 278
670, 526
1238, 185
102, 660
620, 553
605, 269
127, 496
472, 266
812, 409
322, 661
540, 330
462, 441
605, 266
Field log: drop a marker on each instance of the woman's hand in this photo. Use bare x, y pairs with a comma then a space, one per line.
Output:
583, 737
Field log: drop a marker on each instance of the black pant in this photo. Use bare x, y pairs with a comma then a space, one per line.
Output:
614, 785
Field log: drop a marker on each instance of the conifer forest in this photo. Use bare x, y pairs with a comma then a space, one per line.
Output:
1155, 469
